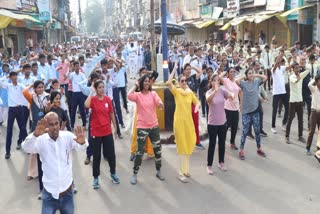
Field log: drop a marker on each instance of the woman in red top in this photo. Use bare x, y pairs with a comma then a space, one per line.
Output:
101, 131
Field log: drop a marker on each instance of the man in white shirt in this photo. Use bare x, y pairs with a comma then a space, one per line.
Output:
267, 59
296, 101
77, 97
44, 71
314, 86
16, 103
55, 150
279, 91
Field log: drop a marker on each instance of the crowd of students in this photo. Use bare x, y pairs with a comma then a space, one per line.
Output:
44, 92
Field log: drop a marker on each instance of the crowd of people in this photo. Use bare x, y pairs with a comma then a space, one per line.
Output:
47, 90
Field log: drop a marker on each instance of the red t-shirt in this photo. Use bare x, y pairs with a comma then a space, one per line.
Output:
100, 116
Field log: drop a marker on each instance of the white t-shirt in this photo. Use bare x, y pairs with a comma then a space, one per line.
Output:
278, 77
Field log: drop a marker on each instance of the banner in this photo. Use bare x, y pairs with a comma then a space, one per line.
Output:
275, 5
44, 10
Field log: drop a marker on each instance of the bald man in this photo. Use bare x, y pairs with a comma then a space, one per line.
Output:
54, 147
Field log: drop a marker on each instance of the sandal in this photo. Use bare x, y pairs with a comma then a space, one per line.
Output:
241, 155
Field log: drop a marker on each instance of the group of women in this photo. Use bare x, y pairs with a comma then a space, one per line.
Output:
223, 100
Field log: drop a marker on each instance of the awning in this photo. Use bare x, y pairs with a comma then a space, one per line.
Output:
204, 24
296, 9
7, 16
256, 18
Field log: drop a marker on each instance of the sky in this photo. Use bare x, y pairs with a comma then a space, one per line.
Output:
74, 7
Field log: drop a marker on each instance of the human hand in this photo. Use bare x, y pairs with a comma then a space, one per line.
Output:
80, 136
41, 128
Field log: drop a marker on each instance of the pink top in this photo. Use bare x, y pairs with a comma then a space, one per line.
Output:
232, 87
62, 72
146, 108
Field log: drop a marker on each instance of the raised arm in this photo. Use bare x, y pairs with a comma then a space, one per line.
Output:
221, 76
87, 103
172, 75
198, 70
238, 81
261, 76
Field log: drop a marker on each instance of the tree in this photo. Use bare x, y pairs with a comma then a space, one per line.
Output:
94, 16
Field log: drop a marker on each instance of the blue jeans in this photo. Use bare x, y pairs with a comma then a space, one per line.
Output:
247, 121
64, 204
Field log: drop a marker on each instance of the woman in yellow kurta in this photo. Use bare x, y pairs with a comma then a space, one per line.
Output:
184, 132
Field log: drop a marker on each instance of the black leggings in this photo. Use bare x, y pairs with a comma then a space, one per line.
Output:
232, 122
108, 153
221, 132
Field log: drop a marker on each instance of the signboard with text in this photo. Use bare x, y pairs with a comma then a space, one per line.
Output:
44, 10
277, 5
27, 5
232, 8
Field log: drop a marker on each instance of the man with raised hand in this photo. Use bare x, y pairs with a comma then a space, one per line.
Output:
55, 150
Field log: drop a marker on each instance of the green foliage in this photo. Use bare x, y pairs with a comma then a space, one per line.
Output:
94, 16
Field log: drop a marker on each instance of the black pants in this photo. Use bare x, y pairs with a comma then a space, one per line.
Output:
202, 96
107, 144
15, 113
294, 108
307, 100
26, 117
221, 132
40, 172
261, 116
275, 104
232, 122
123, 92
268, 74
117, 105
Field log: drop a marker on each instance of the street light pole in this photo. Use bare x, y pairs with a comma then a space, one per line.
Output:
164, 40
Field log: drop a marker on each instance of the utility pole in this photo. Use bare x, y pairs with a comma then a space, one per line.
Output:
164, 33
152, 39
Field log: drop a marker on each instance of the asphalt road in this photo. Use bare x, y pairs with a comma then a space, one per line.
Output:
286, 181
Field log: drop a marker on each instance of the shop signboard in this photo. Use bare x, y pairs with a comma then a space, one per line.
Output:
206, 11
294, 4
232, 8
275, 5
27, 5
44, 10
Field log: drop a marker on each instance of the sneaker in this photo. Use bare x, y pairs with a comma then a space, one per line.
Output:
132, 157
7, 156
250, 135
134, 179
263, 133
308, 152
87, 161
209, 170
187, 175
40, 196
183, 179
75, 190
233, 146
159, 176
241, 155
222, 167
114, 178
316, 157
284, 128
302, 140
200, 146
120, 136
288, 140
273, 130
96, 183
261, 153
18, 147
1, 123
123, 126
